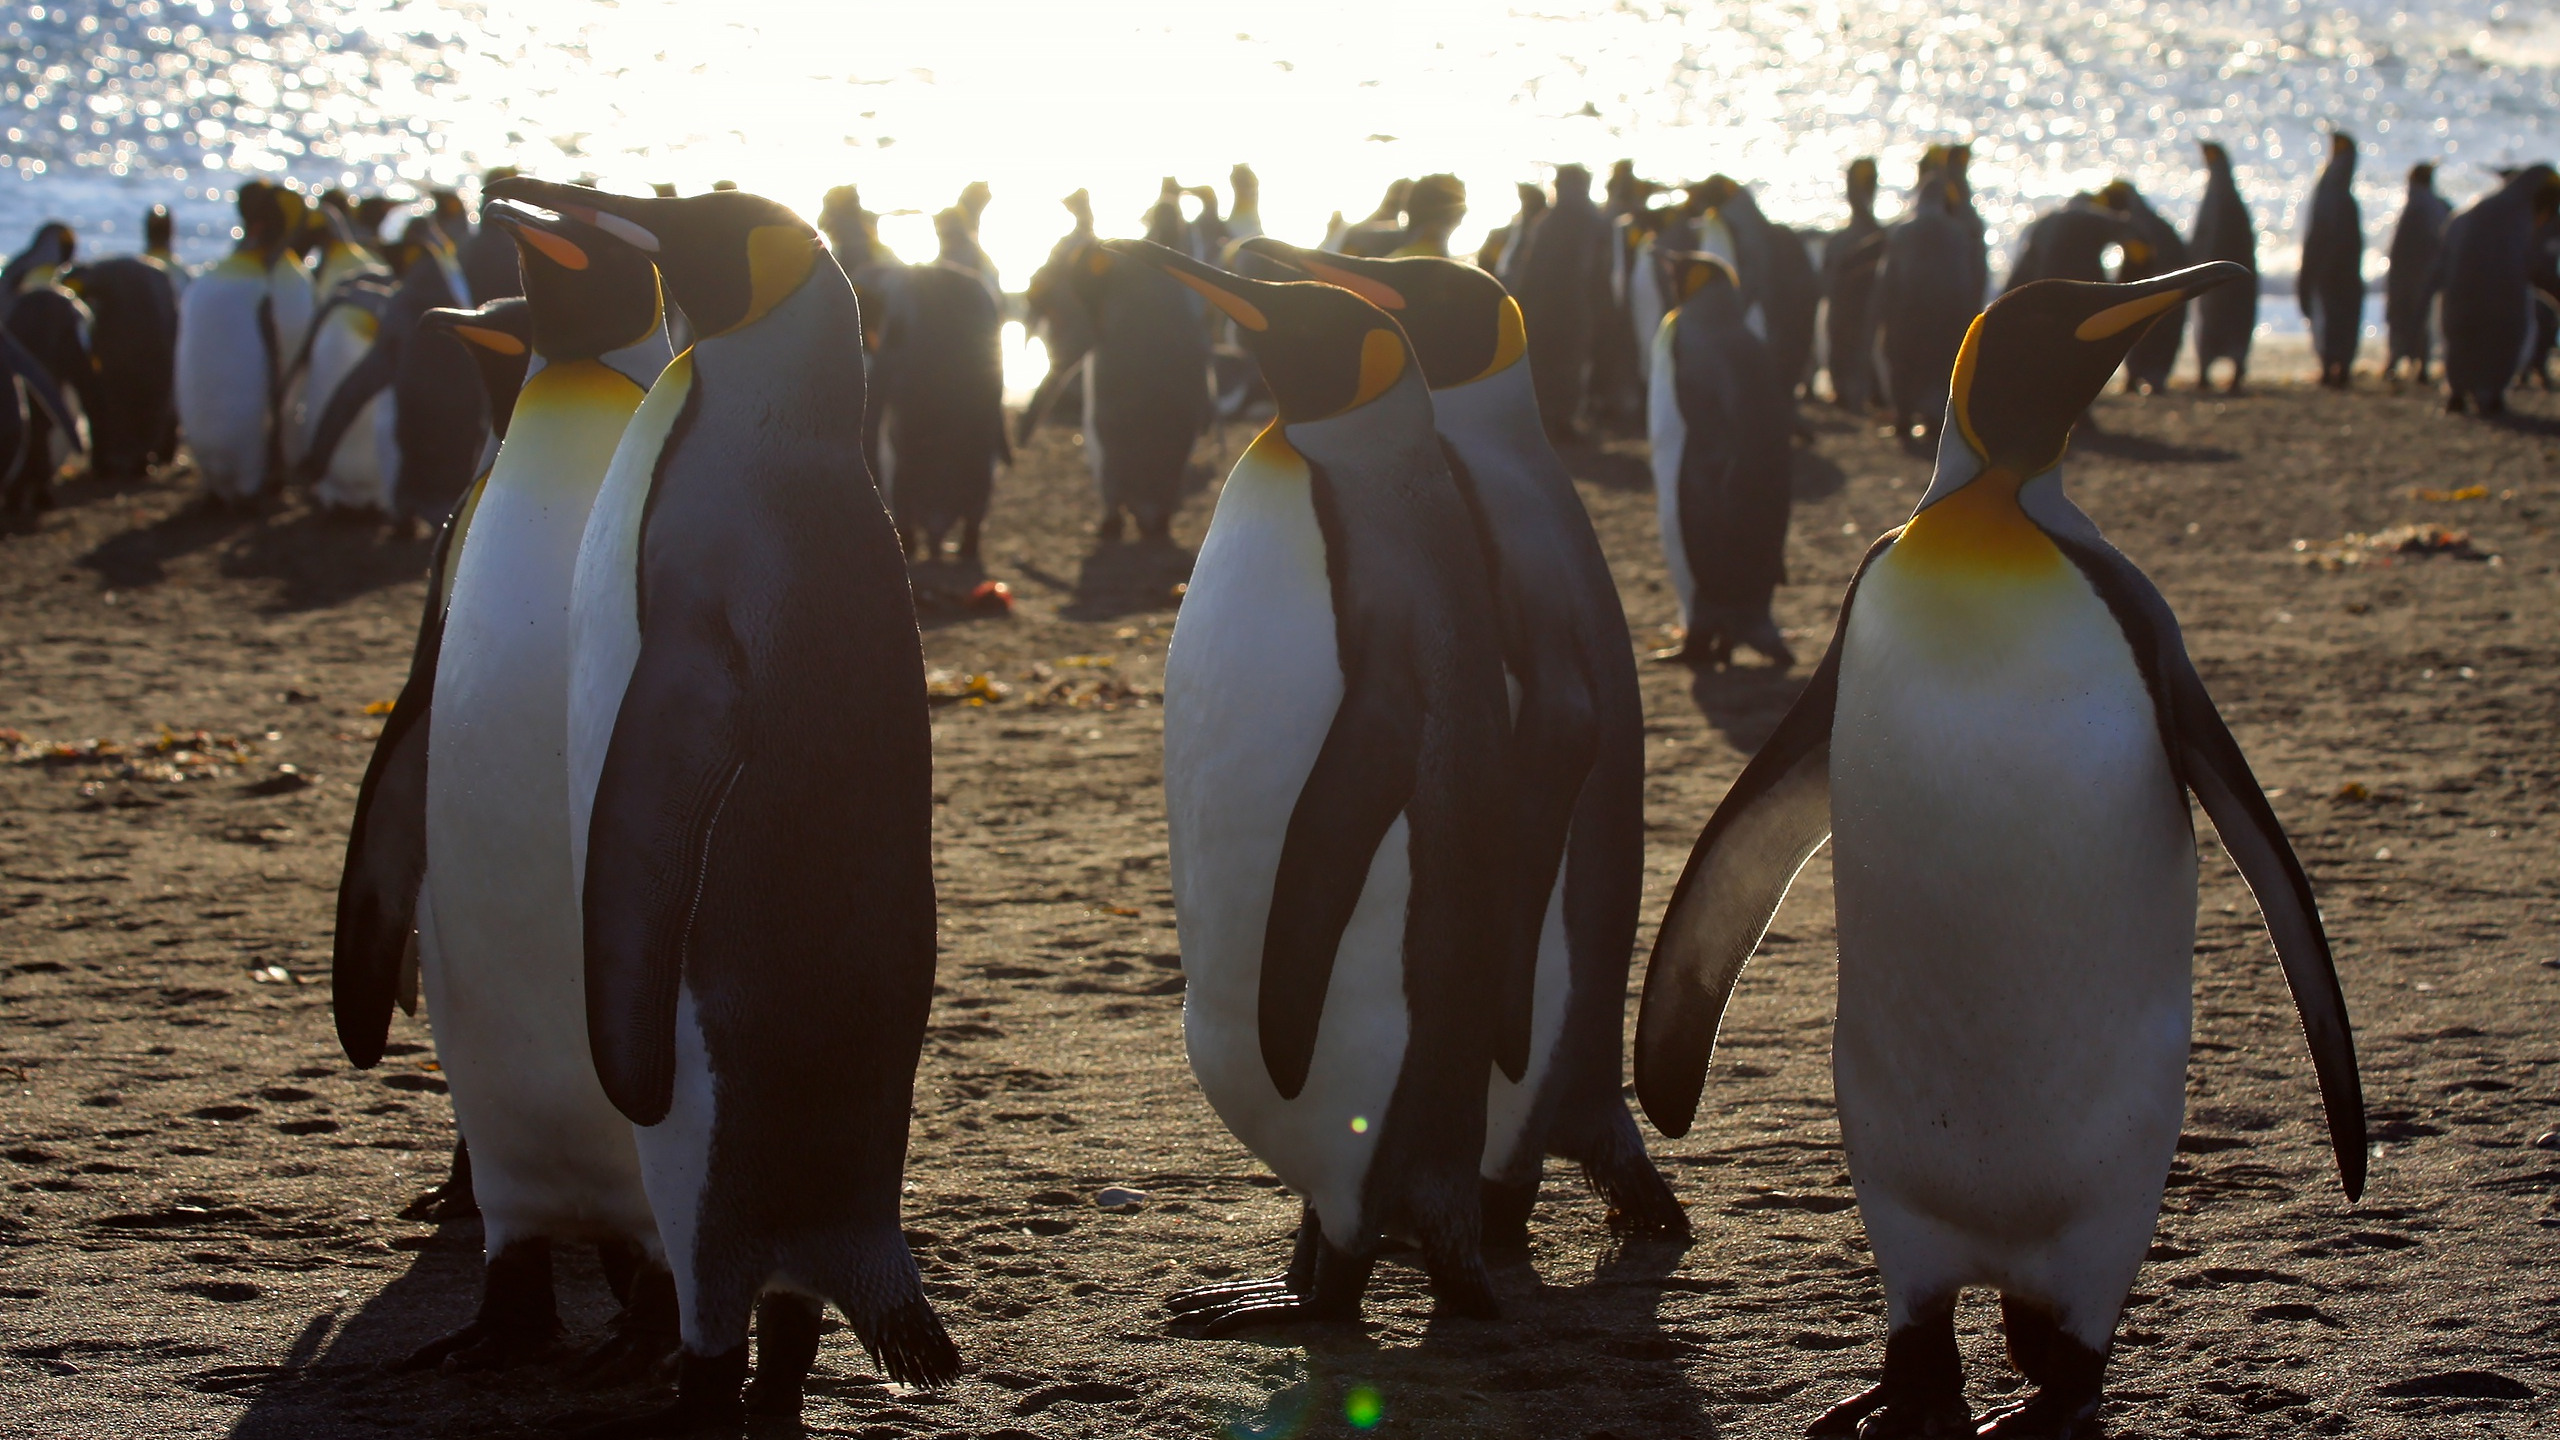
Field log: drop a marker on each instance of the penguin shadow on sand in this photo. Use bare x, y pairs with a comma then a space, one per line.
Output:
1588, 1355
140, 557
343, 1374
321, 558
1610, 465
1746, 702
2091, 438
1125, 577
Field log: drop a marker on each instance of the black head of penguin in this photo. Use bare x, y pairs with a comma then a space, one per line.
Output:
499, 338
1703, 287
728, 257
1322, 349
2216, 159
2342, 151
591, 292
1464, 326
2037, 358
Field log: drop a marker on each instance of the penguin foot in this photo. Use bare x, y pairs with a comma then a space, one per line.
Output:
452, 1200
486, 1345
1640, 1200
1842, 1419
518, 1321
638, 1340
2045, 1416
786, 1347
1506, 1215
1288, 1308
707, 1403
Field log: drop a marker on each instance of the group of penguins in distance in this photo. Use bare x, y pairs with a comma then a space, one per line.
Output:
679, 960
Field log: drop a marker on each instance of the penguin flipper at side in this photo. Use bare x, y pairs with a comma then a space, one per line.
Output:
371, 959
1768, 825
371, 376
42, 389
2210, 761
1364, 776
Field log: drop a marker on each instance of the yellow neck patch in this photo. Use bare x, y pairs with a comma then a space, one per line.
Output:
1381, 366
1979, 531
779, 257
1511, 341
1271, 450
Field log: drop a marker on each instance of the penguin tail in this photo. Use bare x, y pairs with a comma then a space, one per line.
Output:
908, 1344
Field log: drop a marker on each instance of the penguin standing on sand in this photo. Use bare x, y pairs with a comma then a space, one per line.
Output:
2330, 286
759, 930
1577, 738
133, 343
354, 289
239, 326
2227, 315
1146, 382
2152, 247
1563, 290
1999, 746
1336, 788
1721, 464
2489, 310
1849, 263
1927, 293
437, 422
2409, 290
462, 826
941, 386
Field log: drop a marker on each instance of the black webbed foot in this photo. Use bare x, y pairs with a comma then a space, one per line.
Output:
707, 1403
518, 1322
786, 1348
639, 1339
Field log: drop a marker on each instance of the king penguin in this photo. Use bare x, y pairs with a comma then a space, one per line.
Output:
1336, 765
342, 333
1720, 418
462, 825
1929, 290
1999, 745
2330, 285
1577, 737
2409, 286
2489, 311
759, 931
2227, 315
240, 324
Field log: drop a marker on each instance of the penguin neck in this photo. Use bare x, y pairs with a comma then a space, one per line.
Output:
1977, 527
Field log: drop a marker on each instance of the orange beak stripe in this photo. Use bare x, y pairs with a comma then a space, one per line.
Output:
1384, 297
1235, 307
488, 339
558, 249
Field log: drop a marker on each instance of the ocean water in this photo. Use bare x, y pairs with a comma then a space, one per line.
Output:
112, 105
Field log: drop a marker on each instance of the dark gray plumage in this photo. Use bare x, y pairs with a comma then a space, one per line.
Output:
2226, 317
2489, 306
2152, 247
2330, 286
1927, 292
1849, 264
2417, 245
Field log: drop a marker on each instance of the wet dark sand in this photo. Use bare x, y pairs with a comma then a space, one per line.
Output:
202, 1235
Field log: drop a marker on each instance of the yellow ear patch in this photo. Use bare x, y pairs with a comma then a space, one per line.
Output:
1960, 387
1235, 307
1381, 366
1383, 296
779, 257
558, 249
1510, 341
2117, 319
498, 341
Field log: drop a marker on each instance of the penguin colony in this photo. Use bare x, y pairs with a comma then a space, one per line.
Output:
682, 455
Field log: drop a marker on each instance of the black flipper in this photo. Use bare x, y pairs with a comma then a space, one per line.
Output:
42, 388
674, 758
371, 376
1555, 740
1363, 777
371, 966
1768, 825
355, 293
2209, 761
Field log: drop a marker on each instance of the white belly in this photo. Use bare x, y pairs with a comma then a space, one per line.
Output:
2015, 873
506, 979
1251, 685
222, 380
1646, 304
1670, 435
354, 479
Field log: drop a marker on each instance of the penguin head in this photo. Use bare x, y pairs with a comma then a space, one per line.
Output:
499, 337
590, 293
727, 257
263, 225
1323, 350
1710, 194
2037, 358
1463, 325
2342, 150
158, 228
1862, 180
2422, 176
2216, 159
1703, 285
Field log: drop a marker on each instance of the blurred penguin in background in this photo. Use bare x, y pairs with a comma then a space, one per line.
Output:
1505, 244
1244, 211
437, 421
1719, 421
133, 347
2152, 247
1927, 293
2409, 289
489, 264
239, 326
1562, 287
1378, 235
1146, 395
1849, 264
159, 236
972, 207
941, 382
2069, 242
2227, 315
1433, 208
51, 326
1056, 312
1615, 394
2489, 312
2330, 286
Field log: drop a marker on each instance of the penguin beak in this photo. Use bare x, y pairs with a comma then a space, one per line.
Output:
2149, 299
465, 326
564, 200
1232, 294
1316, 265
1323, 350
531, 226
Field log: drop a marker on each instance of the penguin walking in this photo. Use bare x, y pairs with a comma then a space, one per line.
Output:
2409, 289
2227, 315
133, 346
2151, 247
1577, 739
240, 324
759, 934
1720, 425
1927, 292
1999, 746
1850, 260
431, 416
941, 387
1336, 778
462, 825
2330, 286
2490, 311
1146, 382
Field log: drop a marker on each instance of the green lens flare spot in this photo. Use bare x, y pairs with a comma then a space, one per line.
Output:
1364, 1407
1359, 1124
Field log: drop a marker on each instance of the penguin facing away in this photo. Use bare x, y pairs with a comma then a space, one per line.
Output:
2014, 1008
134, 342
462, 828
2488, 310
1720, 423
2330, 285
1335, 787
759, 935
1577, 737
1927, 293
2227, 315
1849, 262
240, 324
2409, 287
